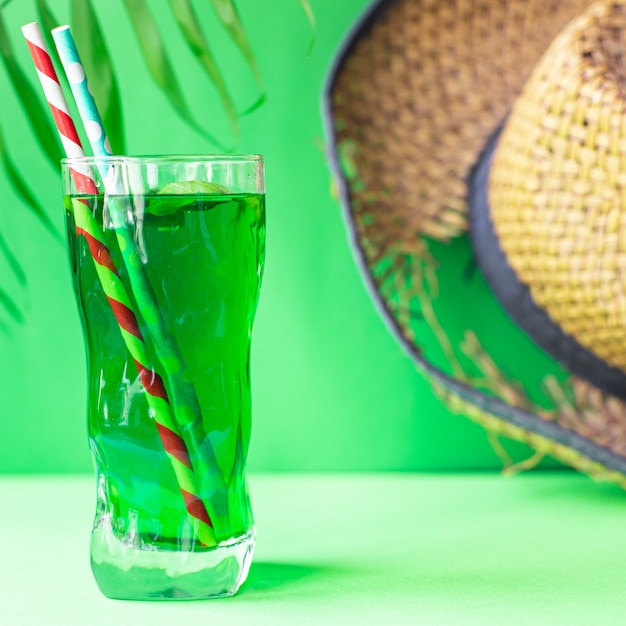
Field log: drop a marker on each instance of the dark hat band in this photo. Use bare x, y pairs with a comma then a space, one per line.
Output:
516, 298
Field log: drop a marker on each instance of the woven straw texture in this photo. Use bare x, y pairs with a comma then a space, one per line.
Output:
543, 446
413, 103
420, 95
557, 187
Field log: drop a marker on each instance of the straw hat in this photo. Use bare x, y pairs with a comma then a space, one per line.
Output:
496, 130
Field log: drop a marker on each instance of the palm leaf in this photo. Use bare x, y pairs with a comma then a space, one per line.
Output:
97, 63
23, 190
190, 28
306, 6
255, 105
158, 63
12, 261
10, 306
39, 121
228, 16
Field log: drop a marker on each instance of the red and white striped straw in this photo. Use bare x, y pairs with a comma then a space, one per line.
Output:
65, 126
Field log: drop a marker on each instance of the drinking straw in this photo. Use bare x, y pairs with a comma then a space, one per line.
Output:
184, 399
117, 296
58, 105
156, 394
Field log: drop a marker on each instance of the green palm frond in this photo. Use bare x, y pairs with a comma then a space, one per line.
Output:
158, 63
99, 67
306, 7
229, 17
23, 190
7, 303
14, 264
190, 28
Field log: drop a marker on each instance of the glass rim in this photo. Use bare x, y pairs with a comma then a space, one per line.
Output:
163, 159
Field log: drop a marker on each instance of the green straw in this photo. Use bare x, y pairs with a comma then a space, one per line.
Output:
184, 399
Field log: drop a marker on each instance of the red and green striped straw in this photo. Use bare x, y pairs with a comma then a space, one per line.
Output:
156, 394
183, 395
117, 296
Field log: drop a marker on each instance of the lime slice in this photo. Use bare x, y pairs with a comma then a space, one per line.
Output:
192, 186
166, 206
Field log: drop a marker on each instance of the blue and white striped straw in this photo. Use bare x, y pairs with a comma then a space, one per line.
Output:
68, 53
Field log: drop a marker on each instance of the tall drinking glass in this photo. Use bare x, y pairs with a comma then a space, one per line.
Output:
167, 255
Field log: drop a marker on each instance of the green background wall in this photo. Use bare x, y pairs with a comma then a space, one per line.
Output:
333, 390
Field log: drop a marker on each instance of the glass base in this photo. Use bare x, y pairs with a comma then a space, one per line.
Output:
130, 573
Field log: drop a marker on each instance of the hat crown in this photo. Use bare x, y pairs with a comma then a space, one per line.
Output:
557, 199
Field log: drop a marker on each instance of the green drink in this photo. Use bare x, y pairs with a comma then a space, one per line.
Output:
200, 255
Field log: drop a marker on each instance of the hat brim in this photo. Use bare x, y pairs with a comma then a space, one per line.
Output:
558, 439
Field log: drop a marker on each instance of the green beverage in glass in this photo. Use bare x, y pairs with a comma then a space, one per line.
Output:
167, 263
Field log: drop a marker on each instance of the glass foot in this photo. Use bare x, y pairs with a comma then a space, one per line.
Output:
131, 573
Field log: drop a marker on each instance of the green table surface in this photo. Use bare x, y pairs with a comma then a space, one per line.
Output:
546, 548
